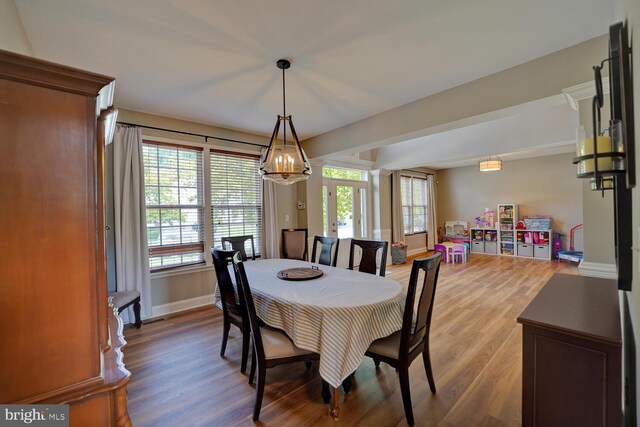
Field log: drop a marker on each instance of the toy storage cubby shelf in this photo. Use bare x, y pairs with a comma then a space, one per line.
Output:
506, 225
506, 240
534, 243
484, 240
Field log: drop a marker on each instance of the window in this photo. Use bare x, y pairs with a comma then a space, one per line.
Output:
174, 204
341, 173
181, 193
236, 197
414, 204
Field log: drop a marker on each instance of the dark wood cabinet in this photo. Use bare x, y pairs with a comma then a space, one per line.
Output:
60, 340
572, 354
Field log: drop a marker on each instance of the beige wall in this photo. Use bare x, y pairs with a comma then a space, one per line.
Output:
599, 244
12, 35
178, 287
533, 80
539, 186
629, 10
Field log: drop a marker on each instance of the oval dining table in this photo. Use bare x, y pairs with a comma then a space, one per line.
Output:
337, 315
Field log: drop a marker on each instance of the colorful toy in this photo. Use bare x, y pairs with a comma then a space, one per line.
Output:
486, 220
443, 250
557, 245
455, 228
538, 222
458, 252
571, 255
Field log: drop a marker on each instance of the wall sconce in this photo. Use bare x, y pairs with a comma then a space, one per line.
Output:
490, 164
607, 157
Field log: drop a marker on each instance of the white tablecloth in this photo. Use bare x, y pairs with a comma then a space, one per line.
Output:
336, 316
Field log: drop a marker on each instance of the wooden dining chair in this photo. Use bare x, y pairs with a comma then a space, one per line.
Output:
231, 303
326, 246
294, 243
271, 347
238, 243
368, 262
401, 348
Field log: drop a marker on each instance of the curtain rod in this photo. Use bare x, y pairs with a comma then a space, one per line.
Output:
206, 137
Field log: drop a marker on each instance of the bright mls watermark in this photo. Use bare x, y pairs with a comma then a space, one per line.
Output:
36, 415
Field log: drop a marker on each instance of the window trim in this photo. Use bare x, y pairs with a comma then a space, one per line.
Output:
207, 265
366, 185
411, 205
183, 247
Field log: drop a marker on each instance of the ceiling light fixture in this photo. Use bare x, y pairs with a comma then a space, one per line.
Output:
284, 162
490, 164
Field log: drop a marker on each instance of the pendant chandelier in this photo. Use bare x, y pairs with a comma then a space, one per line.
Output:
284, 162
490, 164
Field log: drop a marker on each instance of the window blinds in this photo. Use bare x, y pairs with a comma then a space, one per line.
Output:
414, 204
236, 197
175, 204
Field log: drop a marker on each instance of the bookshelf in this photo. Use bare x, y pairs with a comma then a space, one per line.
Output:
506, 225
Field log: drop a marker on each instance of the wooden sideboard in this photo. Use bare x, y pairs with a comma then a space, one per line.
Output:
572, 354
60, 340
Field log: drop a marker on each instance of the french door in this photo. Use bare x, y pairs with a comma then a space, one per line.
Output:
345, 214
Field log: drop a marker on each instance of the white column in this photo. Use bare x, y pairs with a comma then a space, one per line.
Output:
381, 206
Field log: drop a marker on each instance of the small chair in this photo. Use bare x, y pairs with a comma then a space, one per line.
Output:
326, 245
458, 251
294, 243
369, 254
231, 304
401, 348
123, 299
443, 250
271, 347
238, 244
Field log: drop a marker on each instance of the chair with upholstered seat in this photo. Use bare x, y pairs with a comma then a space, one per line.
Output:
271, 347
401, 348
326, 247
294, 243
238, 243
123, 299
368, 263
231, 303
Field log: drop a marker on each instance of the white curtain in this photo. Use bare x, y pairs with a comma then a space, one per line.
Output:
270, 246
431, 214
396, 207
132, 253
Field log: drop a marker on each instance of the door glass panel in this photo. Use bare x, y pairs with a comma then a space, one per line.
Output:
325, 211
344, 204
363, 213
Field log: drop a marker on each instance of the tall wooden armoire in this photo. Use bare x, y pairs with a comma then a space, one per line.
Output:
60, 340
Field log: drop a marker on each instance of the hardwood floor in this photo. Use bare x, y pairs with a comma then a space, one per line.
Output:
179, 377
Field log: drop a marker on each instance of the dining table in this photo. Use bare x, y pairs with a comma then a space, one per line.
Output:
337, 315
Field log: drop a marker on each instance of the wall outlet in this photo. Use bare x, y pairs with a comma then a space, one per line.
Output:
301, 205
286, 218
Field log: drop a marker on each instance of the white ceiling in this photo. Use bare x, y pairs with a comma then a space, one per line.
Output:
214, 61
